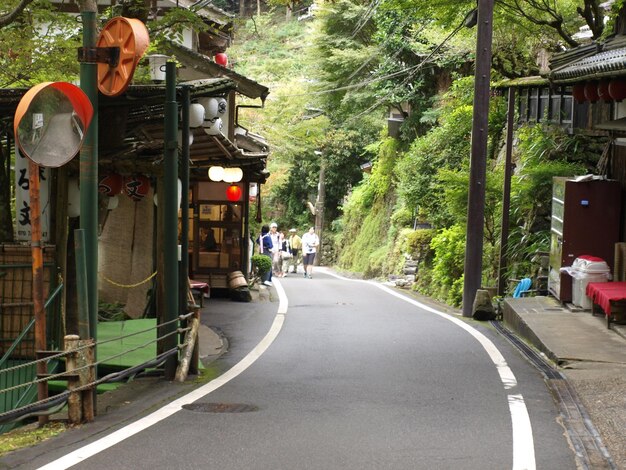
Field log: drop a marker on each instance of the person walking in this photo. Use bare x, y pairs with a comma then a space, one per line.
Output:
277, 243
266, 249
295, 243
310, 243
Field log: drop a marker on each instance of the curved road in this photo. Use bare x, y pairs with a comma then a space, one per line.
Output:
351, 375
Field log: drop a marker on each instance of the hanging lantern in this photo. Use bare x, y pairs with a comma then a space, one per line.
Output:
111, 184
233, 193
222, 106
216, 173
180, 137
196, 115
578, 92
221, 59
233, 175
591, 91
215, 127
603, 91
210, 106
137, 187
617, 89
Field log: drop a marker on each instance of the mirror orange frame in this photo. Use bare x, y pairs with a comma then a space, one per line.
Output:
82, 110
131, 36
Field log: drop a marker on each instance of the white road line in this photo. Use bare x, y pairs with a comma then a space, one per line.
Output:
118, 436
523, 442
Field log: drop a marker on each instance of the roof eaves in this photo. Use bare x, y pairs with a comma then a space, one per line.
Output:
204, 64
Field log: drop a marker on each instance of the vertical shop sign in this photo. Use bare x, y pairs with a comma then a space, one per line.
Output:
22, 199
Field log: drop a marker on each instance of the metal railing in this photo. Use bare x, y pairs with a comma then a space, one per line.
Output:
80, 370
12, 397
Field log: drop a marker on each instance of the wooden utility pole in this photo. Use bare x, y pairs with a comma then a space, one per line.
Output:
319, 210
506, 194
478, 161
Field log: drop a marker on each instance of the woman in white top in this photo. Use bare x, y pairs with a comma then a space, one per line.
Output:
310, 242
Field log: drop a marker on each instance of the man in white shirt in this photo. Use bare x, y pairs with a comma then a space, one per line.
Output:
310, 243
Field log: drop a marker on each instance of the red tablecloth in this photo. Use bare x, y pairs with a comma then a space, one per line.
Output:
602, 293
201, 286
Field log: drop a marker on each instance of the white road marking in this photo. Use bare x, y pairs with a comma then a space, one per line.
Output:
118, 436
523, 442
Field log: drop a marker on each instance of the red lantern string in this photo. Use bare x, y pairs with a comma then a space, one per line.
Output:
111, 185
222, 59
591, 91
137, 187
233, 193
603, 90
578, 92
617, 89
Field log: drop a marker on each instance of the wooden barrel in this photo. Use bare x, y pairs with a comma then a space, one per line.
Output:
236, 280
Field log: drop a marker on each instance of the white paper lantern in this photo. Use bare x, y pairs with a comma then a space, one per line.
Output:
180, 194
254, 190
215, 128
233, 175
216, 173
73, 198
210, 106
180, 138
113, 202
222, 106
196, 115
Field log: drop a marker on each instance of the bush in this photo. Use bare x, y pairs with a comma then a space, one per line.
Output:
418, 244
261, 265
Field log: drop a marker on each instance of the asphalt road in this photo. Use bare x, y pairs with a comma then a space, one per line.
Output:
357, 378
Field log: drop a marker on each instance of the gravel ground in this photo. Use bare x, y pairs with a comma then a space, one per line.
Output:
602, 391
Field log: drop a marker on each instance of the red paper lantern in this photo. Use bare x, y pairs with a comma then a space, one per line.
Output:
137, 187
603, 91
578, 92
591, 91
233, 193
222, 59
617, 89
111, 185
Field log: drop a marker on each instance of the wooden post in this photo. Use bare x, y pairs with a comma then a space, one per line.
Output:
190, 341
195, 357
478, 158
38, 301
80, 403
88, 376
74, 406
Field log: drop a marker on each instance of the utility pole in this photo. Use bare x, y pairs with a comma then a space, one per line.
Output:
506, 194
478, 161
319, 210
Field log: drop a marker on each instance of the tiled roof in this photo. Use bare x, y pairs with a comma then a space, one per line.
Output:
602, 64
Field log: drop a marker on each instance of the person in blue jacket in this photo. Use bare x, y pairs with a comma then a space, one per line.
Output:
265, 248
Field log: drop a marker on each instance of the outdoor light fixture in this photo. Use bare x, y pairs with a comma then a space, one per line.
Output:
228, 175
233, 175
216, 173
157, 67
180, 137
196, 115
233, 193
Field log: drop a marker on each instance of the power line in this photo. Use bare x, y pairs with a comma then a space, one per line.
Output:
411, 70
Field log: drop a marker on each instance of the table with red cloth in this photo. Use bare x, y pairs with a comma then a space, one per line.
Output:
604, 294
201, 288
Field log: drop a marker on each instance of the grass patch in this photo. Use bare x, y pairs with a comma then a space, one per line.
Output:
28, 436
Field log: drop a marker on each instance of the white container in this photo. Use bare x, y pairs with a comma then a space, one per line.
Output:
584, 271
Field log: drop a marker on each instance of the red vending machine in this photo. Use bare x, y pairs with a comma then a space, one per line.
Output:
585, 221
